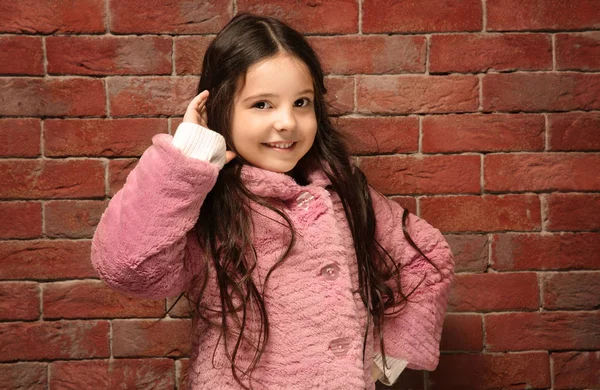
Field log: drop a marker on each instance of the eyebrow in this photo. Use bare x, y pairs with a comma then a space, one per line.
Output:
261, 95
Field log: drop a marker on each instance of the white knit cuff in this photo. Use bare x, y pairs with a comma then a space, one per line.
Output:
199, 142
393, 369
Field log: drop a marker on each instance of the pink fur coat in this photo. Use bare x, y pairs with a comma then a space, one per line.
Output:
144, 246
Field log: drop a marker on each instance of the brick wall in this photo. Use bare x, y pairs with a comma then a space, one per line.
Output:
481, 116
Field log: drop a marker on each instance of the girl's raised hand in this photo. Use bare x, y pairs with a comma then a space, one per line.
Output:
196, 110
196, 113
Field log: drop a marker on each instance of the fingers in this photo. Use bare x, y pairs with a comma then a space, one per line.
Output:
204, 116
199, 101
196, 109
201, 96
201, 107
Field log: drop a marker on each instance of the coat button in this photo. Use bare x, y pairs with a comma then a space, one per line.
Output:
331, 271
339, 347
304, 199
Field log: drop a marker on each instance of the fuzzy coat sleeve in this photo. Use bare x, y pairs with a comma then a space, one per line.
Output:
141, 244
414, 334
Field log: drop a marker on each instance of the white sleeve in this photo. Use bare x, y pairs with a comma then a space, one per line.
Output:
393, 368
199, 142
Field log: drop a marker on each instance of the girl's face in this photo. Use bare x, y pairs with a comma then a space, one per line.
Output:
274, 122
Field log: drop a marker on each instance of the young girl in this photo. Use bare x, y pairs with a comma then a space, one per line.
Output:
301, 275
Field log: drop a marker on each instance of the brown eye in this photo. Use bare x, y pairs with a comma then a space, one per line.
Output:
302, 102
260, 105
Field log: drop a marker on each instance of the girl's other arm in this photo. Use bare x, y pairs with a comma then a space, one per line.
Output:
144, 241
412, 337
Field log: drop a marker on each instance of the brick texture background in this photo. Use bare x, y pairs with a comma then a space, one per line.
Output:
481, 116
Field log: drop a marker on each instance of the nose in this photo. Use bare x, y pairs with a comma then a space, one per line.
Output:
284, 120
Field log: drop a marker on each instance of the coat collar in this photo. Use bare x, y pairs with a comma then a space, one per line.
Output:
279, 185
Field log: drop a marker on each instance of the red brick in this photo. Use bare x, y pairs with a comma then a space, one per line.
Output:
379, 135
494, 292
26, 96
529, 370
567, 251
20, 137
182, 366
113, 374
541, 172
545, 331
147, 338
50, 16
46, 259
417, 94
54, 340
573, 212
172, 17
31, 179
180, 308
407, 202
73, 218
28, 215
150, 95
118, 172
378, 54
312, 16
100, 137
94, 299
578, 51
576, 370
541, 92
485, 213
574, 131
189, 53
470, 251
19, 301
515, 15
175, 122
422, 175
109, 55
462, 332
472, 53
340, 94
571, 291
421, 16
30, 376
21, 55
483, 133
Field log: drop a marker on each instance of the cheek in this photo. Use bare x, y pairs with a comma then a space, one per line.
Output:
247, 132
310, 126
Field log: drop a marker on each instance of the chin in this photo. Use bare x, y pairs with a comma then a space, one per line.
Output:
284, 170
280, 168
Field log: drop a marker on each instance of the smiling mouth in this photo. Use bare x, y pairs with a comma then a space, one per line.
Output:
280, 145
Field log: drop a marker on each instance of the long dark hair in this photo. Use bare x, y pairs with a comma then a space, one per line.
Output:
224, 229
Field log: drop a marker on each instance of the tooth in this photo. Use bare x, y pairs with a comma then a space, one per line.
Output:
282, 146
